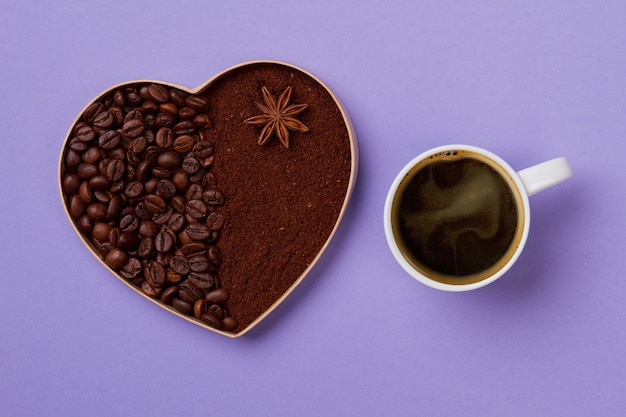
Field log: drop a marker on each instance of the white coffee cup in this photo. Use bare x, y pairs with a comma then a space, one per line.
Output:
471, 198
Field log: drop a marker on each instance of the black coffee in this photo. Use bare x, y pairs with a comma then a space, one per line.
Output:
456, 217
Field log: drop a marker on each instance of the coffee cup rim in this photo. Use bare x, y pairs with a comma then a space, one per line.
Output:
391, 241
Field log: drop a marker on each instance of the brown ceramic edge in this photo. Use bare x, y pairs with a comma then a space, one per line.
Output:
354, 161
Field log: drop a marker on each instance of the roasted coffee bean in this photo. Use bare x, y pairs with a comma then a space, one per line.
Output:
194, 192
164, 138
196, 209
203, 149
133, 189
132, 269
133, 128
138, 145
85, 192
115, 170
197, 231
178, 203
166, 188
109, 139
97, 211
191, 165
101, 231
164, 119
148, 228
193, 248
169, 159
86, 171
199, 308
72, 160
215, 221
183, 144
92, 155
116, 258
229, 323
170, 108
128, 241
202, 280
213, 198
189, 292
142, 212
159, 173
103, 197
182, 306
114, 208
164, 241
129, 223
217, 296
214, 254
197, 177
150, 290
85, 133
84, 224
167, 296
99, 183
146, 247
181, 180
154, 273
154, 203
149, 106
176, 223
198, 263
178, 97
197, 102
184, 127
159, 93
180, 265
92, 111
163, 217
71, 183
103, 119
173, 277
187, 113
212, 320
216, 309
202, 120
118, 115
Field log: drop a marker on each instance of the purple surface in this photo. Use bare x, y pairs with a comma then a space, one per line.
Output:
527, 80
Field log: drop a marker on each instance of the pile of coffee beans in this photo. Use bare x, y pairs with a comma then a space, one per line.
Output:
137, 181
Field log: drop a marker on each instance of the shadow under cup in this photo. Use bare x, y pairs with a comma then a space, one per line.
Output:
458, 217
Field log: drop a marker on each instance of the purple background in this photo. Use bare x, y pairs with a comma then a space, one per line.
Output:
527, 80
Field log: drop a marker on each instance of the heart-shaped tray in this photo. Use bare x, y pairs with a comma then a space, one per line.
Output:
214, 202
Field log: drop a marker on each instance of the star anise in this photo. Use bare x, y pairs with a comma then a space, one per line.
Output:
278, 117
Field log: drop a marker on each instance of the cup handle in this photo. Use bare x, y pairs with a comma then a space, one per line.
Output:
545, 175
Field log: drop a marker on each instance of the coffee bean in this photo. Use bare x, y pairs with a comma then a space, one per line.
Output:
131, 269
85, 192
128, 240
164, 241
146, 247
229, 323
103, 119
86, 171
191, 165
182, 306
116, 259
134, 189
109, 139
163, 217
197, 231
193, 248
154, 273
215, 221
169, 159
71, 183
215, 255
167, 296
85, 133
217, 296
202, 280
176, 223
198, 263
166, 188
170, 108
196, 209
164, 137
97, 211
154, 203
212, 320
183, 144
199, 308
189, 292
99, 183
197, 102
92, 110
187, 113
213, 198
150, 290
203, 149
115, 170
158, 93
180, 265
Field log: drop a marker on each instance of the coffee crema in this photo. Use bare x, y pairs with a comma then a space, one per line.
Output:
457, 217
